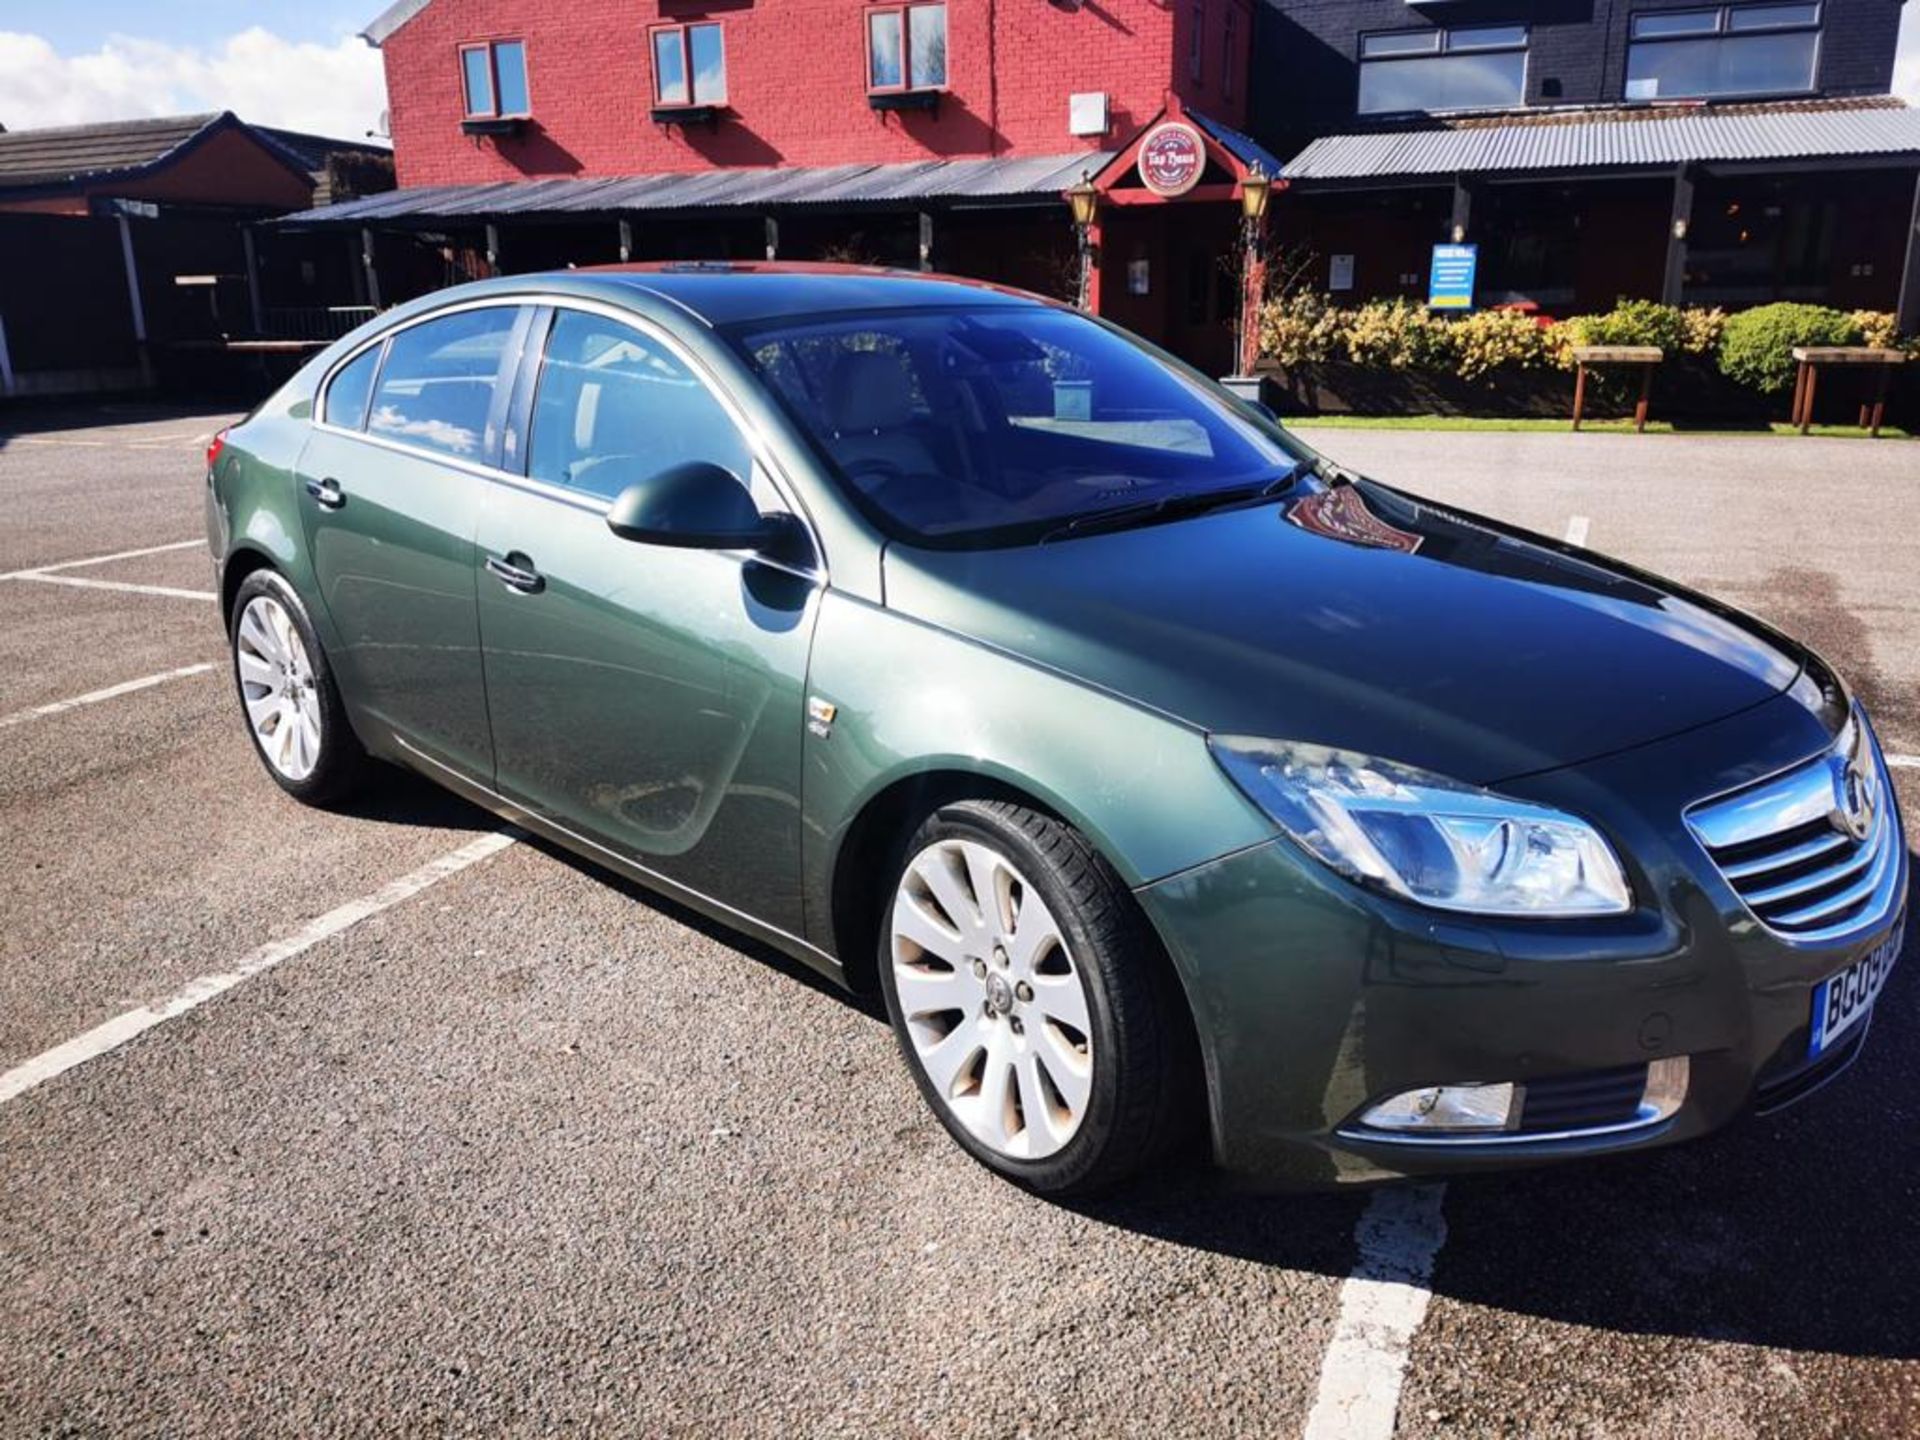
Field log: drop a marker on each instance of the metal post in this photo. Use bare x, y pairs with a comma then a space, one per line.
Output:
1907, 308
1090, 268
493, 249
6, 360
1462, 220
926, 240
626, 241
253, 281
369, 268
771, 228
134, 301
1675, 278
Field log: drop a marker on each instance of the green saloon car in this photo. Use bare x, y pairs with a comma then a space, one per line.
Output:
1172, 785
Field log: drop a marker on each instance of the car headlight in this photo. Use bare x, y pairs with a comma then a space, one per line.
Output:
1427, 838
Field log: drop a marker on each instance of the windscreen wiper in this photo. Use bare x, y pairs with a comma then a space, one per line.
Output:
1170, 507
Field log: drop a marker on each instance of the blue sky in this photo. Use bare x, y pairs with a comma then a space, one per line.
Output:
81, 25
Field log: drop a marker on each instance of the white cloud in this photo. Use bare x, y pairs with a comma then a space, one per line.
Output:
1906, 63
335, 89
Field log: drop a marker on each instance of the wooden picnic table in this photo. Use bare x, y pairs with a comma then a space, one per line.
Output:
1645, 356
1806, 379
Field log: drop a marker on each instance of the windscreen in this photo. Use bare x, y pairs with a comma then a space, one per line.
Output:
996, 425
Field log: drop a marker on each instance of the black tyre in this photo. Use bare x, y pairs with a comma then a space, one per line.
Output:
1031, 1002
288, 697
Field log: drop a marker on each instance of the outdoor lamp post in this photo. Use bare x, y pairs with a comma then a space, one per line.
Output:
1084, 201
1255, 188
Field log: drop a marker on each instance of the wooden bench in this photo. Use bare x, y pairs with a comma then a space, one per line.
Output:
1809, 359
1645, 356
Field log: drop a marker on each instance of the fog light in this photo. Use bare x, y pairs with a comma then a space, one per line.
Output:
1446, 1108
1666, 1087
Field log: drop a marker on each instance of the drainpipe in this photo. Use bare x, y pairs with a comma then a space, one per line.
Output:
626, 241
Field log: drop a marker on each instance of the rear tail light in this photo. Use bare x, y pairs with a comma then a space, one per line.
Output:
214, 447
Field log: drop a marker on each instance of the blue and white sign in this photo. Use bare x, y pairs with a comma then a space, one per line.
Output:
1450, 280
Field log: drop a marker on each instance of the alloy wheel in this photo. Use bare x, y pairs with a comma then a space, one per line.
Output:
992, 1001
278, 685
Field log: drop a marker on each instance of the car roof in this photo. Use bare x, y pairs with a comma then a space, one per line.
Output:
745, 292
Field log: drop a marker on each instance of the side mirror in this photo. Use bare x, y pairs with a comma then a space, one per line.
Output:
696, 506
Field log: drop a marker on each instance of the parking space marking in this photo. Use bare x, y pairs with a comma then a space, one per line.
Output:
1577, 529
126, 587
1381, 1306
1903, 762
94, 697
122, 1028
85, 561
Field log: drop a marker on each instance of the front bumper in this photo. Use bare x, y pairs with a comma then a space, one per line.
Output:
1314, 1000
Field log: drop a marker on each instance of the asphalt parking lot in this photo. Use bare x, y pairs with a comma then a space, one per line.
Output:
511, 1147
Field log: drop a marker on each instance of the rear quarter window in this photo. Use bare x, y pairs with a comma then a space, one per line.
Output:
351, 389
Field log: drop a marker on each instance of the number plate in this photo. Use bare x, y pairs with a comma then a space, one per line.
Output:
1842, 1001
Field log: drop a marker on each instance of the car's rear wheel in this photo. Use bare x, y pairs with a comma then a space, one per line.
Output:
1028, 999
287, 693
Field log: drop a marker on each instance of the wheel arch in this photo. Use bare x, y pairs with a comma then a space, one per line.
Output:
862, 872
241, 562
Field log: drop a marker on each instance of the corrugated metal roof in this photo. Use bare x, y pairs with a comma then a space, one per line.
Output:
929, 181
71, 152
1649, 140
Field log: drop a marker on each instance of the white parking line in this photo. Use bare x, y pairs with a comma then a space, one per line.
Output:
125, 586
122, 1028
32, 570
1903, 762
112, 692
1381, 1306
1577, 530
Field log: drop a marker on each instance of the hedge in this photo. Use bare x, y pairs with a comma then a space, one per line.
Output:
1301, 329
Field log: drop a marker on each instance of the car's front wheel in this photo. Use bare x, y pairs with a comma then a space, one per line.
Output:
292, 705
1029, 1001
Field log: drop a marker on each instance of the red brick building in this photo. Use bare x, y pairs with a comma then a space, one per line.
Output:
534, 133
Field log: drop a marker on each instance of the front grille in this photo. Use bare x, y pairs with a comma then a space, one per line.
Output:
1585, 1101
1784, 847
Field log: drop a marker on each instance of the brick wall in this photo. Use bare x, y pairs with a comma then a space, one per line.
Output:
796, 83
1305, 64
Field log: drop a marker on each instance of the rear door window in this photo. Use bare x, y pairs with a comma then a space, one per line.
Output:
437, 388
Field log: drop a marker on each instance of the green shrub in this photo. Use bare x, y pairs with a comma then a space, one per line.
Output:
1489, 340
1300, 327
1693, 330
1398, 335
1756, 347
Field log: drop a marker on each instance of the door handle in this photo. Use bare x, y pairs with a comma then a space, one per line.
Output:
327, 493
519, 576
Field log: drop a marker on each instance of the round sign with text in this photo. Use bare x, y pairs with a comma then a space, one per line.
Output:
1171, 158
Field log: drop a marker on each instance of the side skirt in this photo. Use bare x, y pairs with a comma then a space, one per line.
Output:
488, 799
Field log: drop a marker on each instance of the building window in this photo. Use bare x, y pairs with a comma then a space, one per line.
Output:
907, 47
1229, 45
1480, 67
1196, 39
494, 79
1725, 50
689, 65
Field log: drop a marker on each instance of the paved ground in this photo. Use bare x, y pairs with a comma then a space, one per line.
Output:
526, 1149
